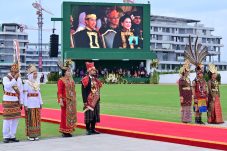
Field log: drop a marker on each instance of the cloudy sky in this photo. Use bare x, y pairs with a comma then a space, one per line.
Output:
210, 12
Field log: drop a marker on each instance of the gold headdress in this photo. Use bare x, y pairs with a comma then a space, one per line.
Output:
197, 55
65, 66
90, 16
212, 68
31, 69
15, 67
185, 67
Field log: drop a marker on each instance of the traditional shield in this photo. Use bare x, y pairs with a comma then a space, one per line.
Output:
108, 38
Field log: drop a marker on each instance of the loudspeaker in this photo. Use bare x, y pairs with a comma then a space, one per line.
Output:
53, 45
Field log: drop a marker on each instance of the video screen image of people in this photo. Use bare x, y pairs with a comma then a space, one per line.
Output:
106, 27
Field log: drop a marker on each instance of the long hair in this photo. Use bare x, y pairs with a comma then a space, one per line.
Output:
63, 72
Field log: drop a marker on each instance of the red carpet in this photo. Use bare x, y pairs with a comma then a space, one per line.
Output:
189, 134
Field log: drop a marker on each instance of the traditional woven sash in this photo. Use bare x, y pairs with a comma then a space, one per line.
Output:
33, 94
10, 94
11, 109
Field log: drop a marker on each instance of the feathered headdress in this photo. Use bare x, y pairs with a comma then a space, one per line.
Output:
196, 55
65, 66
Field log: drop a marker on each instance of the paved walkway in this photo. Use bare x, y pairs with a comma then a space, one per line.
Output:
102, 142
199, 135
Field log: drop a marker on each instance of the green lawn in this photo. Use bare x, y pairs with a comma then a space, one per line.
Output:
159, 102
47, 130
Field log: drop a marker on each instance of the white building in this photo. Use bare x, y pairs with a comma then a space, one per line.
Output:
169, 36
32, 57
29, 53
9, 32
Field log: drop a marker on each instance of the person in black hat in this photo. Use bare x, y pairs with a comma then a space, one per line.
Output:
89, 37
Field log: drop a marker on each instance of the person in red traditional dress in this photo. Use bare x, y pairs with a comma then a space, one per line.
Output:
214, 114
200, 94
196, 53
67, 100
91, 98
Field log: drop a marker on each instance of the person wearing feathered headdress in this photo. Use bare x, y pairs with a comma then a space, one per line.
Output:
185, 93
12, 103
196, 56
214, 115
67, 100
32, 104
91, 97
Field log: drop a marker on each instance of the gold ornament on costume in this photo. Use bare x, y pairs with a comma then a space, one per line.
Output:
90, 35
125, 38
212, 68
35, 85
68, 63
185, 67
154, 63
93, 86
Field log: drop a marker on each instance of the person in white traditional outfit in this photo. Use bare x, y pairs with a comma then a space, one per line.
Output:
12, 103
32, 104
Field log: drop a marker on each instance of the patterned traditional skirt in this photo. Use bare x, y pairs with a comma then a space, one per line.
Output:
33, 122
214, 111
11, 109
94, 116
186, 114
68, 117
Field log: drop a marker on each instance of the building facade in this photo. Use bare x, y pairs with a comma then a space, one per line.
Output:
29, 53
9, 32
170, 35
32, 57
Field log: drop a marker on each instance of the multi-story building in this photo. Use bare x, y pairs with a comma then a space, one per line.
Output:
170, 35
9, 32
29, 53
32, 57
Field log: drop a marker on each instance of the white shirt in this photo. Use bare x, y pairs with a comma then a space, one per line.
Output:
31, 102
8, 87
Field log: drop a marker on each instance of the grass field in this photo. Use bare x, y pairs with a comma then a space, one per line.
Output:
48, 130
158, 102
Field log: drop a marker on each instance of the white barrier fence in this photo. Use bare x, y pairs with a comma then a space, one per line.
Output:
173, 78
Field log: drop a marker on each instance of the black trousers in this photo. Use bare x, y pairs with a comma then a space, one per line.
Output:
90, 126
